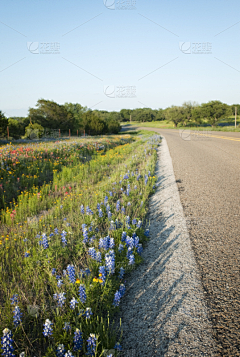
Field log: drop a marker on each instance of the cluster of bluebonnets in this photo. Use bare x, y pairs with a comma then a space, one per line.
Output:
109, 257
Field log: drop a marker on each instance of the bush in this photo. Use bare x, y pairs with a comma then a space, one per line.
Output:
34, 131
113, 127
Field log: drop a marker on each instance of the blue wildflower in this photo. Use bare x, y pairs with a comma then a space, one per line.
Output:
111, 243
63, 238
14, 299
17, 316
54, 271
85, 235
131, 259
102, 273
124, 235
117, 297
82, 209
123, 210
91, 347
146, 233
47, 331
134, 221
120, 248
71, 273
60, 350
82, 293
61, 299
129, 204
88, 312
106, 200
139, 249
100, 213
121, 273
68, 354
73, 303
67, 326
109, 215
45, 241
56, 231
110, 262
118, 206
59, 283
118, 347
99, 257
7, 343
92, 253
122, 290
77, 340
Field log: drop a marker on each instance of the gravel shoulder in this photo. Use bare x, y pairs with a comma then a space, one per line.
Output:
164, 311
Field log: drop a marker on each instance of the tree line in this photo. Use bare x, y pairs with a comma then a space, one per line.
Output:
49, 115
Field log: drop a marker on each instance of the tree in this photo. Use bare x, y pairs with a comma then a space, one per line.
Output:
125, 114
34, 131
188, 111
51, 115
214, 111
113, 126
77, 111
174, 114
93, 124
3, 124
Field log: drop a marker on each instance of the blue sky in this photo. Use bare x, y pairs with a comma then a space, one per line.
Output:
83, 46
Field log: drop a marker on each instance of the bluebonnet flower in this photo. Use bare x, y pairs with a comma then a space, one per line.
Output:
98, 206
146, 233
110, 262
118, 206
146, 180
102, 273
110, 193
117, 297
60, 350
88, 312
25, 240
58, 277
64, 272
51, 235
91, 347
104, 243
92, 239
64, 219
14, 299
45, 241
129, 204
109, 215
126, 177
82, 293
67, 326
56, 231
138, 177
61, 206
61, 299
88, 210
141, 204
134, 221
149, 173
118, 347
100, 213
106, 200
68, 354
38, 235
135, 187
17, 316
99, 257
85, 235
77, 340
84, 225
120, 182
111, 243
124, 235
128, 220
87, 272
139, 225
47, 331
112, 225
59, 283
63, 238
73, 303
108, 207
127, 192
120, 248
123, 210
131, 259
122, 290
7, 343
92, 253
121, 189
139, 249
71, 273
121, 273
82, 209
68, 224
132, 173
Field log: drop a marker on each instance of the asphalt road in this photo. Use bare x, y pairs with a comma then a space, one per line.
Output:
207, 171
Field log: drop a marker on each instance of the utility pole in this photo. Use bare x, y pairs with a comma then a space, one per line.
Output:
235, 117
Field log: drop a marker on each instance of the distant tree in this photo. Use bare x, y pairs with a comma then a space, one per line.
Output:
187, 112
3, 124
16, 127
159, 114
214, 111
51, 115
34, 131
77, 111
174, 114
113, 127
125, 114
93, 124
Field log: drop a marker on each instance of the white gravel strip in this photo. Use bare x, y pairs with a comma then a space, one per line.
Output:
164, 312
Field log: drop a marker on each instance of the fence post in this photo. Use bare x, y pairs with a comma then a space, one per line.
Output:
8, 132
